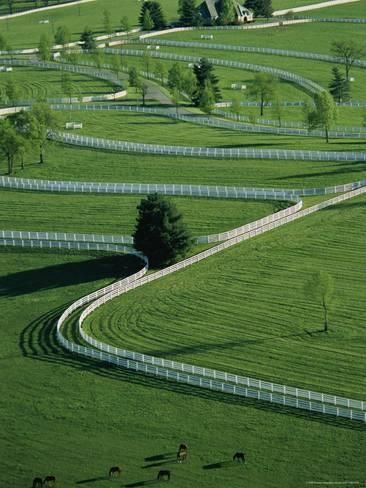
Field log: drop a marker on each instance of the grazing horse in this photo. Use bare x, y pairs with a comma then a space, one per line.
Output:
37, 483
164, 475
114, 471
49, 481
182, 453
239, 457
181, 456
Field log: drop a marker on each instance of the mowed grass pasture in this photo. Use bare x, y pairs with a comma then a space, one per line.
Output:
116, 214
258, 317
138, 127
246, 310
82, 164
38, 84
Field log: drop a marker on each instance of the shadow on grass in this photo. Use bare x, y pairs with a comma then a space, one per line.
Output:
160, 457
38, 342
220, 465
60, 275
92, 480
140, 483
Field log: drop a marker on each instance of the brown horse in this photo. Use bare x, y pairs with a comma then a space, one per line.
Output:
182, 453
37, 483
164, 475
114, 471
49, 481
239, 457
181, 456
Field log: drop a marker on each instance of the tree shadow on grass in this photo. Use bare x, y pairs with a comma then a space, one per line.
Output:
38, 342
60, 275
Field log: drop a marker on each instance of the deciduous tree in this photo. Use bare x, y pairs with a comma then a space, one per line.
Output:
45, 121
263, 89
323, 115
348, 51
45, 48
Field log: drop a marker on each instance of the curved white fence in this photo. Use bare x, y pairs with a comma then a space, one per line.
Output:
204, 377
205, 152
83, 70
252, 49
174, 189
357, 133
308, 85
194, 375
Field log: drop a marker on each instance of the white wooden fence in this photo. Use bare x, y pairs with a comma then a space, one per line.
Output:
200, 376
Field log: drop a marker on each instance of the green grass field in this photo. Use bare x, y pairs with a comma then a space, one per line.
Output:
318, 71
116, 214
319, 36
24, 5
79, 164
137, 127
36, 84
258, 314
74, 418
76, 18
353, 11
245, 310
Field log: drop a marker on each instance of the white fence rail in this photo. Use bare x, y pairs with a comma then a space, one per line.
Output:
174, 189
79, 246
65, 236
92, 72
205, 377
206, 152
215, 122
308, 85
252, 49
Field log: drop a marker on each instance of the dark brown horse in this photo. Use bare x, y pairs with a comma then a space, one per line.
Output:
164, 475
114, 471
49, 481
239, 457
37, 483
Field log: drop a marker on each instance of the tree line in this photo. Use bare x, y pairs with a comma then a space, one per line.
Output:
22, 132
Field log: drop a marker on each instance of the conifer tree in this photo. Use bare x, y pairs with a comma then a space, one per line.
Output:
160, 233
339, 87
203, 72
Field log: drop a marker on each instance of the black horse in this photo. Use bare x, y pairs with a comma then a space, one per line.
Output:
37, 483
114, 471
239, 457
49, 481
164, 475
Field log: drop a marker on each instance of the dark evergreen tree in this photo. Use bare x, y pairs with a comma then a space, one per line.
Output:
156, 14
87, 39
261, 8
203, 73
188, 14
160, 233
339, 87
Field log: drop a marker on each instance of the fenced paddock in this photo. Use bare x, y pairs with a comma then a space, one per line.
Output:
200, 376
205, 152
